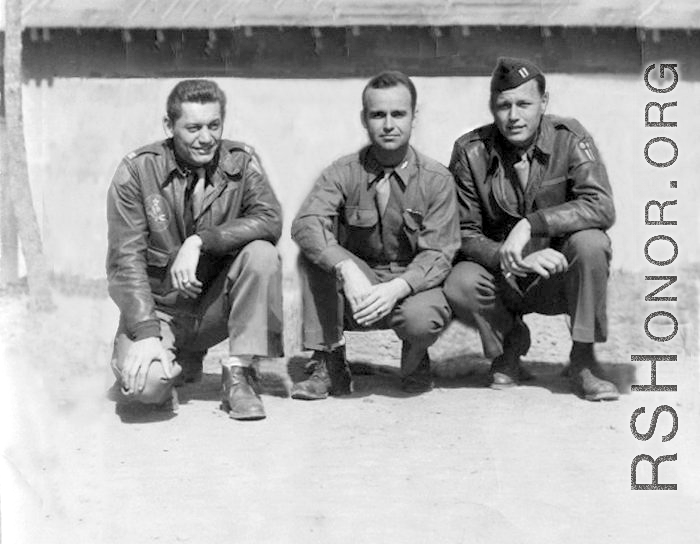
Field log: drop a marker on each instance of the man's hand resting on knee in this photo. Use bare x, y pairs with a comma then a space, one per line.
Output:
546, 262
139, 358
380, 301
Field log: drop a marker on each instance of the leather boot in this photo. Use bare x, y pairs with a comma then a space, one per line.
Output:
506, 369
330, 376
584, 373
420, 380
239, 395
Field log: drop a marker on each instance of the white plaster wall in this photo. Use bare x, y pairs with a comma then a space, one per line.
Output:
78, 130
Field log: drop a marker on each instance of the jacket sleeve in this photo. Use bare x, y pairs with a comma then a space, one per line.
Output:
260, 217
591, 205
438, 238
314, 228
475, 246
126, 255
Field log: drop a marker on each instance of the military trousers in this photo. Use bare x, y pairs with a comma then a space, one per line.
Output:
417, 320
485, 299
243, 303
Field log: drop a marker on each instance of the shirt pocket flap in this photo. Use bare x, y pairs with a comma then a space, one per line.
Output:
157, 257
361, 217
413, 220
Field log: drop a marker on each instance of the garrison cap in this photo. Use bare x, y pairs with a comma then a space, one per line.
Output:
511, 72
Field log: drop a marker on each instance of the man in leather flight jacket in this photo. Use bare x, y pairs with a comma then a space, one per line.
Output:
377, 233
535, 202
191, 259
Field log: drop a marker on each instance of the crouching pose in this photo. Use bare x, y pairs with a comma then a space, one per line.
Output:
377, 233
191, 260
535, 203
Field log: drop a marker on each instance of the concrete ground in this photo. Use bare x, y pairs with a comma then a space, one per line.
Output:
462, 464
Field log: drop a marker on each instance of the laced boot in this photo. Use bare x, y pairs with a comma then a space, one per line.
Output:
330, 376
240, 397
584, 373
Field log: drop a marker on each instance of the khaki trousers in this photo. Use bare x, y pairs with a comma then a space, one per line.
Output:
243, 303
486, 300
417, 320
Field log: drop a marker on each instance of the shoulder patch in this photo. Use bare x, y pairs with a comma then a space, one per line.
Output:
587, 148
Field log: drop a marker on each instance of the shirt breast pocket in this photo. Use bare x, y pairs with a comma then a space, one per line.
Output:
361, 233
361, 218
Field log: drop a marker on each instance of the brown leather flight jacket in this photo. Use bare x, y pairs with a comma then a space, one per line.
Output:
145, 214
568, 188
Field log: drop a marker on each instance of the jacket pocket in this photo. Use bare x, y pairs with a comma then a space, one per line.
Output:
157, 262
553, 181
157, 257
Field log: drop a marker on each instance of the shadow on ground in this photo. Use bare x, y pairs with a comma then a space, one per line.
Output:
467, 371
473, 373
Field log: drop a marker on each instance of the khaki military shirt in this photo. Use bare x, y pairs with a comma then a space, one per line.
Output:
340, 217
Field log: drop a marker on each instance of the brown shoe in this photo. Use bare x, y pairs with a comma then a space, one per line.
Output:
506, 369
240, 398
584, 375
330, 376
592, 387
504, 372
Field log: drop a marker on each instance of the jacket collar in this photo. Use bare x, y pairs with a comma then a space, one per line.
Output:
226, 164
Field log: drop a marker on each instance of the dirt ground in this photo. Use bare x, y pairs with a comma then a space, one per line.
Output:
461, 464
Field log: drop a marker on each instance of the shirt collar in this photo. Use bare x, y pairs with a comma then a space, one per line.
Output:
403, 171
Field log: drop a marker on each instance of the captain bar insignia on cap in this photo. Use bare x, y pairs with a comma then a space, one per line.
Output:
512, 72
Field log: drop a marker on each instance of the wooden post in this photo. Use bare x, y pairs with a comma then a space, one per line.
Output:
16, 156
9, 263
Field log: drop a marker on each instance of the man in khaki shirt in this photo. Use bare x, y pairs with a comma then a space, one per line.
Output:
377, 233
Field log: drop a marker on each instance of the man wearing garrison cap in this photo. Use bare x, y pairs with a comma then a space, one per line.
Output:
535, 203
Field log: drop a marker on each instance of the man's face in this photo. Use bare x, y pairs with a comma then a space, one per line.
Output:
517, 112
197, 132
388, 117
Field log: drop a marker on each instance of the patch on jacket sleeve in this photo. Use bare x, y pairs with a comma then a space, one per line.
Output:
587, 149
158, 213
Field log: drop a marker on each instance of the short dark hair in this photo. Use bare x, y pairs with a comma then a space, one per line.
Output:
387, 79
202, 91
